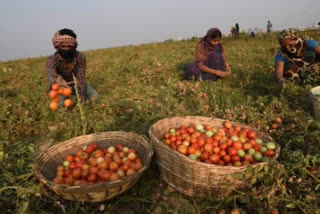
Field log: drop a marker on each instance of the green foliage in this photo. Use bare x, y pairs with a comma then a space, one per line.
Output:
142, 84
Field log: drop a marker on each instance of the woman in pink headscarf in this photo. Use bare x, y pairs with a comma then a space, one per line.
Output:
210, 60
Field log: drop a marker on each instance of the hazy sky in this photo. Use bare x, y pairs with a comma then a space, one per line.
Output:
27, 26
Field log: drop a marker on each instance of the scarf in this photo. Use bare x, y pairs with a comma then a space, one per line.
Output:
58, 39
294, 53
205, 47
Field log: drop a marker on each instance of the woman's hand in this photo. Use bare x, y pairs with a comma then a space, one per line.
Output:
223, 74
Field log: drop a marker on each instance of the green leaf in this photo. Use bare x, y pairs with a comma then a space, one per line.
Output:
253, 179
237, 175
291, 205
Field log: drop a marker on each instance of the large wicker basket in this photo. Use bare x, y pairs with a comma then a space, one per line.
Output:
46, 163
194, 177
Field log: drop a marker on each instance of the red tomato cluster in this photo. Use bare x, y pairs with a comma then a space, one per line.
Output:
231, 145
91, 165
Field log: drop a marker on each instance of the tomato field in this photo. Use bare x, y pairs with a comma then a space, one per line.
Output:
140, 85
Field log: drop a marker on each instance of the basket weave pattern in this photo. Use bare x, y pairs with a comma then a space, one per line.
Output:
194, 177
47, 162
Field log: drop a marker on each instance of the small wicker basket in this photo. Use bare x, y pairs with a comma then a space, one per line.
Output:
46, 163
194, 177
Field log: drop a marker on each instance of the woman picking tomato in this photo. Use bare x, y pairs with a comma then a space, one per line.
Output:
67, 62
298, 57
210, 60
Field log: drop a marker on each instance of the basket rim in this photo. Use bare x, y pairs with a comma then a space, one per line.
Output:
277, 151
50, 183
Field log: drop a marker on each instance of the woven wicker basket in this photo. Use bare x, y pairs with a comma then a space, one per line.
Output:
194, 177
46, 163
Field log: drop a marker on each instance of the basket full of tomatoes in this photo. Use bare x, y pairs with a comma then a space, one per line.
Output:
94, 167
200, 155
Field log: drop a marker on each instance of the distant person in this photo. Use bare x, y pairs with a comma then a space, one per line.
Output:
233, 32
297, 55
237, 30
252, 35
66, 62
269, 26
210, 60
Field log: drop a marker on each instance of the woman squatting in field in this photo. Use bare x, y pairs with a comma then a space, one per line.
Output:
297, 59
66, 62
210, 60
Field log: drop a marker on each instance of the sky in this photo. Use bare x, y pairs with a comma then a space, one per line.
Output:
27, 26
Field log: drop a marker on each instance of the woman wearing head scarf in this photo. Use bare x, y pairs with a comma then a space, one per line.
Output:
297, 55
67, 62
210, 60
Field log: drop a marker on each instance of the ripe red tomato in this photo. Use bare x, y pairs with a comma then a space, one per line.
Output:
178, 142
235, 158
226, 158
214, 158
190, 130
208, 147
269, 153
207, 127
215, 143
92, 177
193, 140
94, 170
252, 142
68, 180
167, 141
104, 175
256, 147
227, 124
223, 146
182, 131
232, 151
201, 141
247, 146
229, 142
245, 129
216, 149
243, 134
72, 165
173, 139
76, 173
167, 136
84, 156
98, 153
69, 158
77, 158
205, 155
79, 152
237, 128
67, 172
94, 146
217, 137
237, 145
252, 134
182, 149
248, 158
222, 153
89, 150
191, 150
